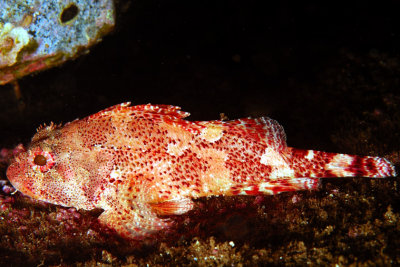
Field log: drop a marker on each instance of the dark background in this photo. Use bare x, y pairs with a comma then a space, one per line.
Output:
308, 65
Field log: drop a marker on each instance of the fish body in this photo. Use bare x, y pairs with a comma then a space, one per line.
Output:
139, 162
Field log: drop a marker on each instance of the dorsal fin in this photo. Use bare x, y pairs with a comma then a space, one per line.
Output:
43, 131
168, 110
261, 129
268, 129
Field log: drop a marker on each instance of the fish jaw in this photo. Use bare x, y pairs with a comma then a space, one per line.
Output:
18, 178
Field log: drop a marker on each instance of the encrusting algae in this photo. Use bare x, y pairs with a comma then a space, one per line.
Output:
40, 34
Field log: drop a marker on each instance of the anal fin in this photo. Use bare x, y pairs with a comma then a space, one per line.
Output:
276, 186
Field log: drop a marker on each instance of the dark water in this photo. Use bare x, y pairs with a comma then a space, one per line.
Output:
240, 58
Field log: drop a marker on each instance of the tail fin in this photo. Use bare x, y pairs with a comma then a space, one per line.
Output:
318, 164
309, 166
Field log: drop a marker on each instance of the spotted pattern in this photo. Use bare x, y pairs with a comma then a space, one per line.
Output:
142, 161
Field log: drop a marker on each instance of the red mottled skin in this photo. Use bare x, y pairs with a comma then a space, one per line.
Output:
139, 162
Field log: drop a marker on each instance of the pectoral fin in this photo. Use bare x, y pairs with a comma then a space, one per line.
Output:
172, 207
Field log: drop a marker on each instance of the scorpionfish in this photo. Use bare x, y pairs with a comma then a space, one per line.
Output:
139, 162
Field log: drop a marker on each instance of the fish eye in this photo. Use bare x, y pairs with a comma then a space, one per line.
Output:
40, 160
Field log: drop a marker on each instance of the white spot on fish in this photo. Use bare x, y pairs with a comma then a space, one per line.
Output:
280, 168
310, 155
212, 133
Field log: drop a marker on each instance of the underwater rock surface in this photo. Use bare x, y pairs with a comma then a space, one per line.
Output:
35, 35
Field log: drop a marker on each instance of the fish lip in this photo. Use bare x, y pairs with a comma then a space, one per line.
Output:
14, 184
12, 181
13, 177
24, 190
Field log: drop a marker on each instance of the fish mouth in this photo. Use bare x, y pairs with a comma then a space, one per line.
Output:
21, 188
17, 177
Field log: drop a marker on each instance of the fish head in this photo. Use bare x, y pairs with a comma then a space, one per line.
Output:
45, 171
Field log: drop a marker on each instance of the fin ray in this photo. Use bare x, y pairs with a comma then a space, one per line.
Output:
275, 186
262, 130
172, 207
126, 109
